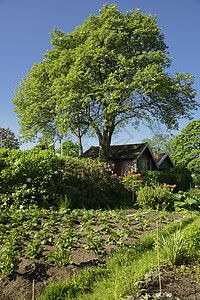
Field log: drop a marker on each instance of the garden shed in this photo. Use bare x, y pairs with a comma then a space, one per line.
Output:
124, 159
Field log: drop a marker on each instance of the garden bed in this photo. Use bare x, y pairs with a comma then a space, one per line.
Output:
44, 246
177, 282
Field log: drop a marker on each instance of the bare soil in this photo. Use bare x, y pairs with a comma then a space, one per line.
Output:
32, 276
180, 282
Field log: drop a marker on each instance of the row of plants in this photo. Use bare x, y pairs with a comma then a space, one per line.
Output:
178, 243
30, 232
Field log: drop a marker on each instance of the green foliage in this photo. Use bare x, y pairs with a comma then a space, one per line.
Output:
187, 200
61, 255
172, 247
107, 72
179, 175
186, 147
30, 177
192, 242
160, 143
8, 256
181, 246
68, 148
33, 250
45, 179
154, 197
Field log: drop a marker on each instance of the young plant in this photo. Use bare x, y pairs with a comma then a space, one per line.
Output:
61, 256
34, 251
95, 241
8, 255
172, 247
68, 238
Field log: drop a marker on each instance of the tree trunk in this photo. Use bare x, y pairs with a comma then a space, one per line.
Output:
104, 142
80, 147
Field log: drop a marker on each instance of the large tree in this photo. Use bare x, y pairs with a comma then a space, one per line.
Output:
187, 147
108, 72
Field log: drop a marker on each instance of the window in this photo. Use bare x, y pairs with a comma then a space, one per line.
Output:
144, 165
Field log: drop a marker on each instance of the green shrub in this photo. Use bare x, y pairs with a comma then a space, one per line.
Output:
154, 197
29, 177
187, 200
177, 175
41, 177
192, 242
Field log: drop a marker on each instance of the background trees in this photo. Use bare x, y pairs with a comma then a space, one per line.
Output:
106, 73
161, 143
8, 139
68, 148
187, 147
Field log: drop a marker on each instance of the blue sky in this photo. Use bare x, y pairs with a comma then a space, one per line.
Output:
24, 38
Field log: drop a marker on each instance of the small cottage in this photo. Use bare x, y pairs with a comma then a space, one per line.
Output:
124, 159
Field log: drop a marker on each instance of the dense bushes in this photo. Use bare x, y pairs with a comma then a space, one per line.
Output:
158, 190
43, 178
154, 197
178, 175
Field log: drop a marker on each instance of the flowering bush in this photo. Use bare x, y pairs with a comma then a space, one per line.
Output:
43, 178
8, 139
168, 186
133, 181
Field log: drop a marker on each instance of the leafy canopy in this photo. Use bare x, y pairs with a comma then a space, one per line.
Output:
187, 147
161, 143
106, 73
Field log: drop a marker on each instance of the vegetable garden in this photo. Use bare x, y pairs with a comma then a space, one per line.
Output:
54, 245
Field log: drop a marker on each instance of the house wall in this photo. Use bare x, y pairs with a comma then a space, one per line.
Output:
122, 167
146, 157
165, 165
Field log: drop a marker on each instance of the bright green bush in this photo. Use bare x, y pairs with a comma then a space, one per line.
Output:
154, 197
29, 177
192, 242
187, 200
